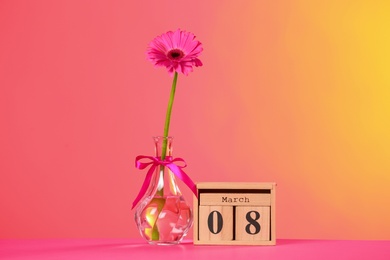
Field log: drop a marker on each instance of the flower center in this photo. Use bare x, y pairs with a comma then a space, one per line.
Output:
175, 54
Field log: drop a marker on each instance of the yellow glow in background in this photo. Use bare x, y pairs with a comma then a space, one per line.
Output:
315, 89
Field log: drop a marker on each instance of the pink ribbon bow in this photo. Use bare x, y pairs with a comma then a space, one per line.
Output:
170, 163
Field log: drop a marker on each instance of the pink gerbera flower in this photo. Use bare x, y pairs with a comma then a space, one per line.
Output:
178, 51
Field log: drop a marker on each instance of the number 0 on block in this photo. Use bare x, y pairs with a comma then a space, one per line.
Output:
235, 214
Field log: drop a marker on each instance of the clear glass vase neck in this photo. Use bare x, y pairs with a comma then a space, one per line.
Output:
160, 142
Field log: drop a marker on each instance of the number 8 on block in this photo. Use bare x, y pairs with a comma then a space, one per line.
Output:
252, 223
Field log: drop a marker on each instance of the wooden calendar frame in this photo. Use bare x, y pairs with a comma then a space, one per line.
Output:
257, 195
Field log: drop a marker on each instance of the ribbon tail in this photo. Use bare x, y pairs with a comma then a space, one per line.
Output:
145, 186
184, 177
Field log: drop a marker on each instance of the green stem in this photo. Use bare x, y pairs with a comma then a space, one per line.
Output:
160, 191
168, 117
166, 127
160, 205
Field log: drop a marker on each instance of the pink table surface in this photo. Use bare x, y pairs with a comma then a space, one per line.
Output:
129, 249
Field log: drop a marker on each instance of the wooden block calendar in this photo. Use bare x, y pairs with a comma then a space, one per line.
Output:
234, 214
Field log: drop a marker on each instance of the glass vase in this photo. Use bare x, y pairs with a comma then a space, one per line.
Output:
163, 217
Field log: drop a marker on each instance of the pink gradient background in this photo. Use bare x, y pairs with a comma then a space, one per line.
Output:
292, 92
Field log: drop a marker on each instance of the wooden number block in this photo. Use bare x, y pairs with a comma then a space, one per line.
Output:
234, 214
216, 223
252, 223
